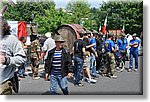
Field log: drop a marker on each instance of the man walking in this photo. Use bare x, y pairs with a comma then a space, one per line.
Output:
58, 66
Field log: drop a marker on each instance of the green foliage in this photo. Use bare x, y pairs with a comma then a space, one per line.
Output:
128, 13
49, 18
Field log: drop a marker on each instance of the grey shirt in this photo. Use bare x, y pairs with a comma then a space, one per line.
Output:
13, 49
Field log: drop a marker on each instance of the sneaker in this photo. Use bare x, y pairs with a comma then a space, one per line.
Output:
95, 76
21, 76
79, 85
135, 70
24, 74
129, 70
84, 79
113, 76
117, 68
104, 74
36, 78
91, 81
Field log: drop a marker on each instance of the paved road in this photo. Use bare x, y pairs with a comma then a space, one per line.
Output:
126, 83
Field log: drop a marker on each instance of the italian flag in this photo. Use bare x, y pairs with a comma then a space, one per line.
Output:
100, 28
104, 27
18, 28
123, 28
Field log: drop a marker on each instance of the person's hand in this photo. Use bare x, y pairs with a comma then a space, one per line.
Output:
135, 44
96, 55
40, 58
70, 75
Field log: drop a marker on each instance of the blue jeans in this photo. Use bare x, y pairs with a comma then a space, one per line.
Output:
58, 80
134, 55
21, 70
78, 63
93, 65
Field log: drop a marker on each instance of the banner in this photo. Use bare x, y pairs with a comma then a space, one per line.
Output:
13, 27
18, 28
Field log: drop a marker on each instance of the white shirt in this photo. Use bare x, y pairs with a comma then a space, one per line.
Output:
49, 44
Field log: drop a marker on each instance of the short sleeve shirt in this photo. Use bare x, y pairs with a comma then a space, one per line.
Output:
134, 49
122, 44
93, 41
108, 45
78, 46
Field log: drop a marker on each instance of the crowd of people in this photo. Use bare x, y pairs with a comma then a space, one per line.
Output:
84, 63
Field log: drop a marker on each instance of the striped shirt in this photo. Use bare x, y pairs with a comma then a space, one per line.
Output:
56, 63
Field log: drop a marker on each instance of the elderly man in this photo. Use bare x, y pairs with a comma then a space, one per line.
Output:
11, 56
58, 65
134, 44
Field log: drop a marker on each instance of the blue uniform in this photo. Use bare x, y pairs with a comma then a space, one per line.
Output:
122, 44
134, 49
93, 41
110, 59
134, 53
108, 45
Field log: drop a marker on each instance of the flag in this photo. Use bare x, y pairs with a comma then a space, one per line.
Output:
104, 27
123, 28
18, 28
100, 28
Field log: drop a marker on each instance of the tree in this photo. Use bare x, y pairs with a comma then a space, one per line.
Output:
80, 12
130, 13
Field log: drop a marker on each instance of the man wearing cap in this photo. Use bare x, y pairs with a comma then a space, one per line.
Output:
110, 59
11, 56
58, 65
134, 44
122, 44
49, 44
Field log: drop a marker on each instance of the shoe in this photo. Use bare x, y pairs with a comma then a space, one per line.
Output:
95, 76
104, 74
24, 74
79, 85
117, 68
84, 79
129, 70
47, 79
21, 76
36, 78
135, 70
91, 81
113, 76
